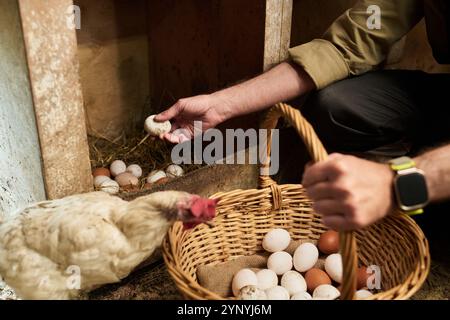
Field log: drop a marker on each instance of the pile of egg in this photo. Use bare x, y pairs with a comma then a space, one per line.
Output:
297, 277
127, 178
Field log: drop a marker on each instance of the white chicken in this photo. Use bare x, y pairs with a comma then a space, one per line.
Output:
59, 249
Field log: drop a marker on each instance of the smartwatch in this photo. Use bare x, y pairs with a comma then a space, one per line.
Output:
410, 186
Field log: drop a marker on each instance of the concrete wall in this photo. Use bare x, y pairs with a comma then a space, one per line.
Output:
20, 164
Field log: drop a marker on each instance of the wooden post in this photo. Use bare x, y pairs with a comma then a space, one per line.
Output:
20, 162
278, 31
51, 50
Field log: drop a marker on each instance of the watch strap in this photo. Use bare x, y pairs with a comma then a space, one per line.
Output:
402, 163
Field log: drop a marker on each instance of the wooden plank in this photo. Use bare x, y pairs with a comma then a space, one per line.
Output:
51, 49
113, 50
198, 47
21, 179
278, 31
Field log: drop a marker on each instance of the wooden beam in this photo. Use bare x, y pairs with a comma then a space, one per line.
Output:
278, 31
51, 50
21, 180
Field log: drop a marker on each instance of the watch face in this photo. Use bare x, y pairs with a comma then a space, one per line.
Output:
412, 189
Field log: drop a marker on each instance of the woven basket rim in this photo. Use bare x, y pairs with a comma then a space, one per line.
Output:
190, 288
347, 246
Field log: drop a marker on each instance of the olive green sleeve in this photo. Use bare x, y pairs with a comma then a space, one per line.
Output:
349, 47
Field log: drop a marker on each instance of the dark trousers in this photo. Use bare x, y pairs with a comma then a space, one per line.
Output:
388, 113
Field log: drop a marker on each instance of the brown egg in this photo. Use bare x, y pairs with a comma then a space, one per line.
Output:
127, 179
130, 188
161, 181
316, 277
329, 242
362, 277
148, 186
101, 172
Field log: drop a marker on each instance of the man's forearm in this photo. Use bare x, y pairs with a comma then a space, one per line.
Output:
283, 82
436, 164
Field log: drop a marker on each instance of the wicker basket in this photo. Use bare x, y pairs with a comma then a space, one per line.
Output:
396, 244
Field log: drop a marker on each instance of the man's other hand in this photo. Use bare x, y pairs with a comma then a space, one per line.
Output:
349, 192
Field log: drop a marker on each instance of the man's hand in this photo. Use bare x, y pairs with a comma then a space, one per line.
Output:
281, 83
208, 109
349, 192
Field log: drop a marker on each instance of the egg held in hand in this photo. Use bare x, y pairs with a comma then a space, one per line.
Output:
156, 129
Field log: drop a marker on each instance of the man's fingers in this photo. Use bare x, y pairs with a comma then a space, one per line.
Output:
328, 207
178, 136
337, 223
171, 138
170, 113
321, 191
319, 172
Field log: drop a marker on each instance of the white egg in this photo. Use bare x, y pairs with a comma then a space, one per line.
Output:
333, 266
98, 180
156, 128
305, 257
293, 282
277, 293
266, 279
155, 176
363, 294
135, 170
301, 296
110, 186
280, 262
326, 292
243, 278
276, 240
174, 171
117, 167
252, 293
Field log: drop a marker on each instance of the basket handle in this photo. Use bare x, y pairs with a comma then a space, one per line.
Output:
347, 242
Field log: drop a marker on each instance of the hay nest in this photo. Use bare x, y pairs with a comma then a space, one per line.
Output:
138, 148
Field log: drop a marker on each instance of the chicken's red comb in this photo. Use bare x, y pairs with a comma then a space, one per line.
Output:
204, 208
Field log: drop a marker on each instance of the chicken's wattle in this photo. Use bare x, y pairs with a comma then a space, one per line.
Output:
202, 210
